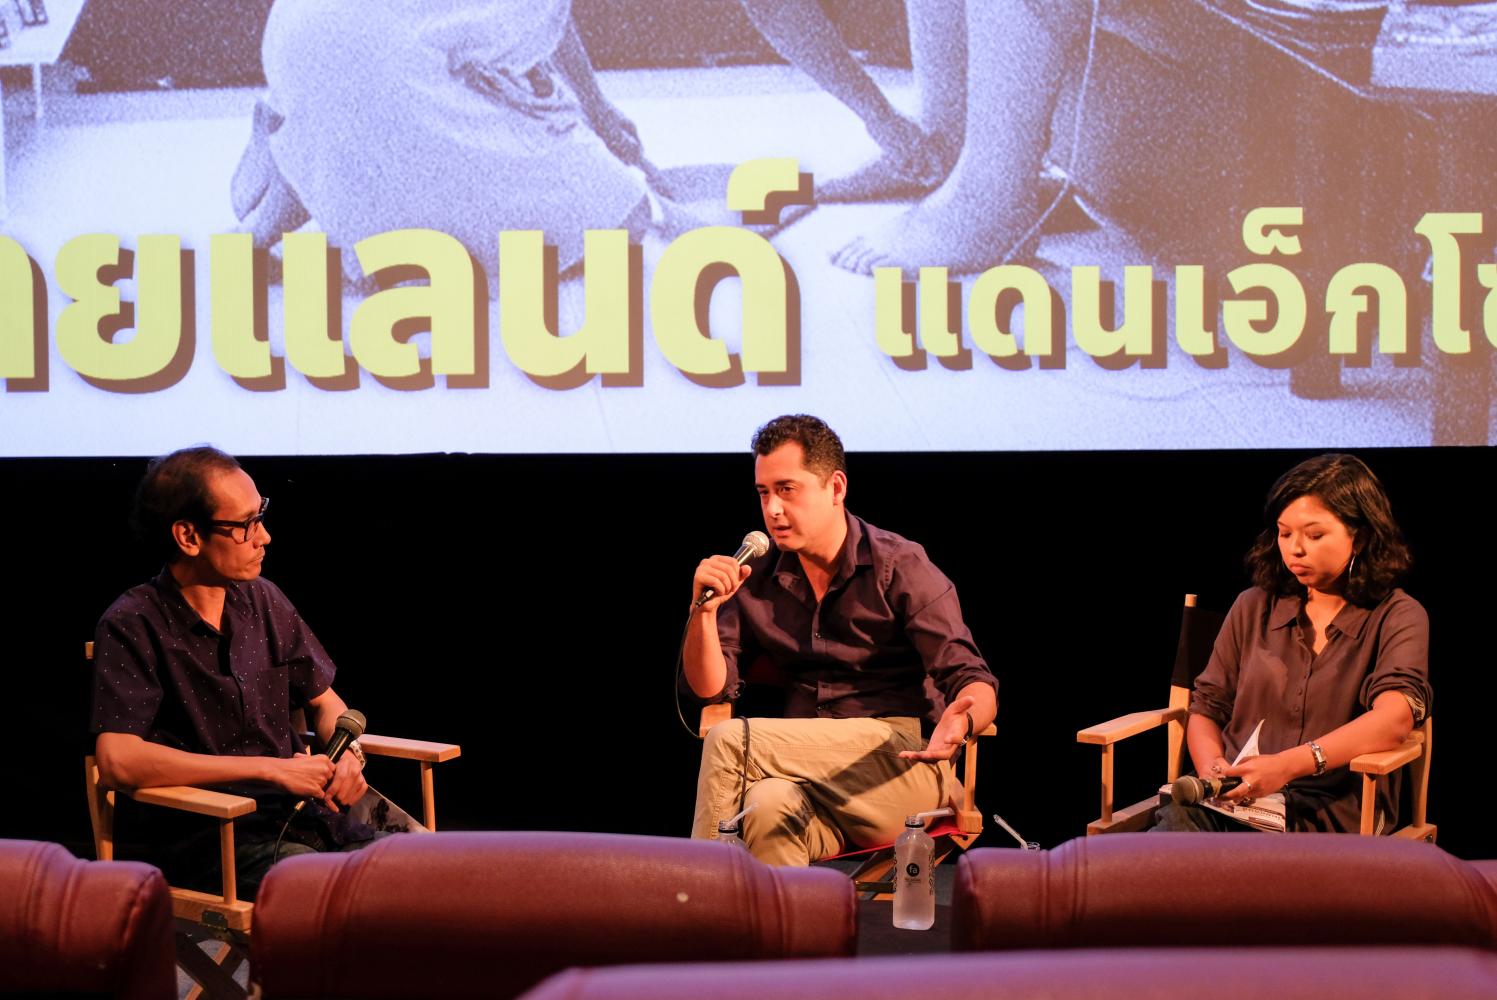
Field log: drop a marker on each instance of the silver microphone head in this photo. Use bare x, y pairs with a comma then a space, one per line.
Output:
352, 720
757, 542
1188, 790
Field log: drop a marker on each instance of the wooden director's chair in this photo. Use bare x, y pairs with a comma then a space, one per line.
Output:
226, 918
873, 876
1198, 629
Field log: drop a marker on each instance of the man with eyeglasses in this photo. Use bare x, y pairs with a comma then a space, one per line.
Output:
196, 674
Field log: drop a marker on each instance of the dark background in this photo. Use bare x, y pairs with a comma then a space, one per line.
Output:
529, 608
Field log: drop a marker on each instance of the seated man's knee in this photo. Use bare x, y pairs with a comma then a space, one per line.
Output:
255, 861
724, 740
773, 801
1172, 817
782, 827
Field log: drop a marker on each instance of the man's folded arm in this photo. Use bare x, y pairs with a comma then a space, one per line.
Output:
127, 761
710, 665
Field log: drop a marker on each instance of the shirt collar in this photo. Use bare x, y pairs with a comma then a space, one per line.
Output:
856, 551
234, 603
1348, 621
1285, 611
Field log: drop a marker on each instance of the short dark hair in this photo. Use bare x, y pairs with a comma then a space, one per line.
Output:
175, 488
822, 446
1350, 491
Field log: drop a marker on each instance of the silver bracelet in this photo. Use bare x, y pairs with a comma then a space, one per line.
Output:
1319, 757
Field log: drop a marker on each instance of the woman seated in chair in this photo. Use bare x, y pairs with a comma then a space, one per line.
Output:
1324, 658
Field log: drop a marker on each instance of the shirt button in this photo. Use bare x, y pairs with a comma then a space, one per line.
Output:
816, 635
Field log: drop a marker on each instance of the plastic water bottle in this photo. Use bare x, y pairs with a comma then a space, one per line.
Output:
914, 877
727, 833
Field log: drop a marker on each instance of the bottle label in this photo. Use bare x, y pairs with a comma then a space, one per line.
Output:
912, 870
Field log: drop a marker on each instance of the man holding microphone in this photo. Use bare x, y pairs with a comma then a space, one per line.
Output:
885, 681
196, 674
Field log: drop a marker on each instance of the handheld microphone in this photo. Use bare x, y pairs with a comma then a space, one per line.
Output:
350, 726
1189, 790
755, 544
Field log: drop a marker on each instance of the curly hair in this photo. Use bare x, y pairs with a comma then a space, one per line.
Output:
1348, 489
822, 446
175, 488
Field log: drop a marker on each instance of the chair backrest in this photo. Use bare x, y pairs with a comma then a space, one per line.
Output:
1198, 630
492, 914
1232, 973
100, 810
100, 799
70, 926
1202, 889
225, 910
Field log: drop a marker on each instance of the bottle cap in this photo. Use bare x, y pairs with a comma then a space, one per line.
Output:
914, 821
727, 826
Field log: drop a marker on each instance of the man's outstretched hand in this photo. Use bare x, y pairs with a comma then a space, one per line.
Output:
948, 735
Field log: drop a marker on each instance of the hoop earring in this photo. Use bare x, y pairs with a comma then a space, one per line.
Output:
1351, 567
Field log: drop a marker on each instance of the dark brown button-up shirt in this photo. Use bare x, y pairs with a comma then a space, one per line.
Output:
887, 639
1263, 667
164, 674
167, 676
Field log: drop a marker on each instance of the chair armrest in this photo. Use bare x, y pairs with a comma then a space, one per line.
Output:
712, 715
1388, 761
395, 746
219, 805
1124, 726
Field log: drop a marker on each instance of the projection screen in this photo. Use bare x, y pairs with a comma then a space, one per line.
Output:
394, 226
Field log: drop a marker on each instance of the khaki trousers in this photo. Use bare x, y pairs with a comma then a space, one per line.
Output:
818, 786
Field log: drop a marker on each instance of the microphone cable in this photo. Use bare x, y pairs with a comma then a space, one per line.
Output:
681, 716
680, 674
754, 545
349, 727
275, 855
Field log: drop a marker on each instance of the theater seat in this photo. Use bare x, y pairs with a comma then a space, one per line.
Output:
1488, 871
1219, 973
1148, 889
83, 927
492, 914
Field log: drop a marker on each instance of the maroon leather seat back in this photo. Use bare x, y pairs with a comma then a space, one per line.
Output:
1488, 871
1219, 973
492, 914
1155, 889
70, 926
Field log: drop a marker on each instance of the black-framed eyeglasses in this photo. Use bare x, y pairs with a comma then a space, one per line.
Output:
240, 531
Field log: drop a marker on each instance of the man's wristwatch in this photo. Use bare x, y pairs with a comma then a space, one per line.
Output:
1319, 757
357, 751
966, 739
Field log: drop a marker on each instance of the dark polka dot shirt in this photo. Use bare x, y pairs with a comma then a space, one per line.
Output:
167, 676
